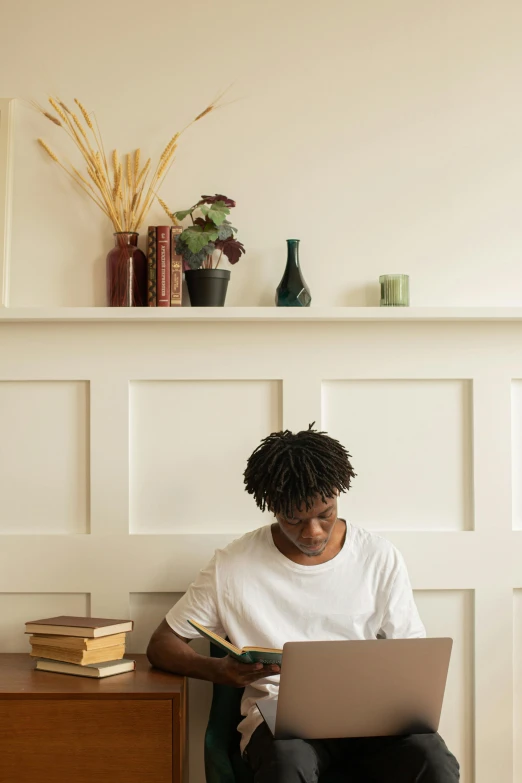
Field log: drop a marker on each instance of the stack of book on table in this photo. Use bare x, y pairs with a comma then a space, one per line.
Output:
86, 646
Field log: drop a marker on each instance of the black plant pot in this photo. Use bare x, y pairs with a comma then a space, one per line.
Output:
207, 287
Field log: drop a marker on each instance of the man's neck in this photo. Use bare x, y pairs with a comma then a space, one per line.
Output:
289, 550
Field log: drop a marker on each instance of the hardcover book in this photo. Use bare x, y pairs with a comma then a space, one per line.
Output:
96, 670
151, 266
176, 269
77, 642
88, 627
81, 657
163, 266
243, 654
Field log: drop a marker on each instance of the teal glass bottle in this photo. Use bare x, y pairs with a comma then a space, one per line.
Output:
292, 291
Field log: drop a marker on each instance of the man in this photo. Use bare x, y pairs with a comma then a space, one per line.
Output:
308, 576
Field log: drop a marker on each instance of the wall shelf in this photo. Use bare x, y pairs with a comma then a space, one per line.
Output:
264, 314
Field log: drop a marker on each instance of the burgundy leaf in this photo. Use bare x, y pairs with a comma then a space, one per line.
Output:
233, 249
212, 200
200, 222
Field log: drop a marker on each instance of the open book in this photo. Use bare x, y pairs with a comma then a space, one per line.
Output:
245, 654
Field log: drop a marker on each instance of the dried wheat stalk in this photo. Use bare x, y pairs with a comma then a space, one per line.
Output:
125, 196
170, 214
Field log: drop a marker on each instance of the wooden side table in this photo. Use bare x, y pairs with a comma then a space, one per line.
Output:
57, 728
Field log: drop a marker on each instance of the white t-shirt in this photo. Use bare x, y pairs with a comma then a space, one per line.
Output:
255, 595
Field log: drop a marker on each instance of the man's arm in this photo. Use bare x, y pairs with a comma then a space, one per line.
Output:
172, 653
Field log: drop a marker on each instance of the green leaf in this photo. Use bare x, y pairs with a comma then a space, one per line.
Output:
221, 206
216, 215
183, 214
195, 260
195, 237
225, 230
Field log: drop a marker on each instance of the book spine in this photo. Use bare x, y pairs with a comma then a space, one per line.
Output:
176, 269
163, 265
151, 266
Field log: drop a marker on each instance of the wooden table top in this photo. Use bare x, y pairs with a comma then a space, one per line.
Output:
20, 680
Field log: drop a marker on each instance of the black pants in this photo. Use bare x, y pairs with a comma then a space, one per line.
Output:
418, 758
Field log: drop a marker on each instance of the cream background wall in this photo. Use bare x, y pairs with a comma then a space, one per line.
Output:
386, 135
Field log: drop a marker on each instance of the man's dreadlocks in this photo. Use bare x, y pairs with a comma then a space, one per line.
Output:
288, 471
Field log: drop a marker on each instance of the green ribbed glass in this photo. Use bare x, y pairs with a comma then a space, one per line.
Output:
395, 290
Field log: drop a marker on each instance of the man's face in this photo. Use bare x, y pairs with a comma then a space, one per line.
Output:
310, 530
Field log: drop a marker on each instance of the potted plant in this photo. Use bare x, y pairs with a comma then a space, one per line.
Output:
202, 245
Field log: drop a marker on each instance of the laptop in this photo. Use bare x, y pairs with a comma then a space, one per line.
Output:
375, 688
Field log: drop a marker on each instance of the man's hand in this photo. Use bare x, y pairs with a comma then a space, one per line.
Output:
232, 672
172, 653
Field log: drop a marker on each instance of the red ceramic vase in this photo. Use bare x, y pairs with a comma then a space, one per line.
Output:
126, 272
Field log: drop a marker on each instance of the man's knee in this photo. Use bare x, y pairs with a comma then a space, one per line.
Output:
434, 758
295, 760
282, 761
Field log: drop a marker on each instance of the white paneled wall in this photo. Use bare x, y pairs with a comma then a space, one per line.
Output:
46, 424
450, 613
16, 608
147, 610
174, 488
377, 419
121, 456
6, 196
517, 654
517, 453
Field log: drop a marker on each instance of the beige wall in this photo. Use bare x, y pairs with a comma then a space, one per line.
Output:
386, 135
121, 459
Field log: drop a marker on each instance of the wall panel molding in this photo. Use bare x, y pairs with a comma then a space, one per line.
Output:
275, 375
7, 109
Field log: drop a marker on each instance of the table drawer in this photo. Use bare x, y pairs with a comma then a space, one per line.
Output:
107, 741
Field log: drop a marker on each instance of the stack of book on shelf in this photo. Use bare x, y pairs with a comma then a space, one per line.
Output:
86, 646
165, 267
